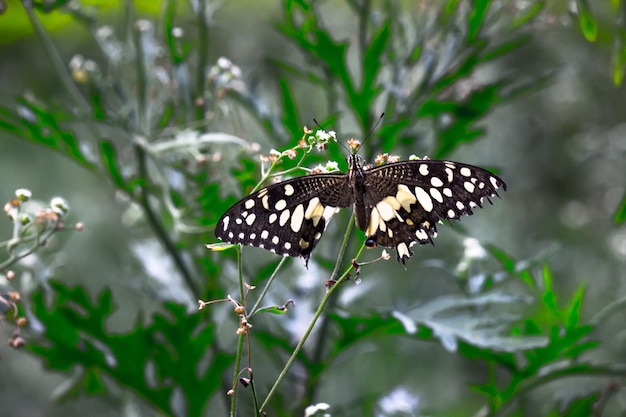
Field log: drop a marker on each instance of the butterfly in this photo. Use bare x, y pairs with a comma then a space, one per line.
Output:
396, 205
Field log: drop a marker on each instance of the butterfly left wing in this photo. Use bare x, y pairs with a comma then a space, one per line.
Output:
405, 200
287, 218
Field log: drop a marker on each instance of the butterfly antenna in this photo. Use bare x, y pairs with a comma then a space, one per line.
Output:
372, 129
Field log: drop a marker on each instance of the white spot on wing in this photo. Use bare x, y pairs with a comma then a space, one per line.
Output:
403, 250
424, 199
250, 219
466, 172
273, 218
314, 211
249, 204
405, 197
284, 216
275, 240
451, 214
374, 222
385, 210
421, 234
280, 204
469, 186
436, 194
423, 169
436, 182
264, 234
450, 174
297, 218
447, 192
494, 181
289, 189
225, 222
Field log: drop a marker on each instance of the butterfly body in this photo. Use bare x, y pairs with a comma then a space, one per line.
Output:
396, 205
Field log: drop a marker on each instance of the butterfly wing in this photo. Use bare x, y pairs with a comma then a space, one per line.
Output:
405, 200
287, 218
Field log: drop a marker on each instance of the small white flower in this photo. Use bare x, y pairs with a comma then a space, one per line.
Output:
312, 410
322, 135
473, 249
332, 166
23, 194
59, 206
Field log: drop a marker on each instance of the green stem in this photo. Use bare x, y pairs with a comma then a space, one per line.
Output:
607, 311
156, 225
255, 308
55, 58
233, 401
306, 334
141, 120
203, 50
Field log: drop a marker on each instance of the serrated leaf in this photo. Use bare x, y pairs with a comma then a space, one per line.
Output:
454, 318
173, 345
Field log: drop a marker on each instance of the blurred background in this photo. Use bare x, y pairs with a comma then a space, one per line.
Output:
559, 145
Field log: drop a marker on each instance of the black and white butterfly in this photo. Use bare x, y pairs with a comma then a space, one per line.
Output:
396, 205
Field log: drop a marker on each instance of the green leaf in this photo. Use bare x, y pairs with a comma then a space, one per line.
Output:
620, 214
529, 13
507, 261
572, 313
454, 318
618, 56
291, 119
273, 309
363, 101
476, 18
109, 158
173, 345
586, 21
548, 297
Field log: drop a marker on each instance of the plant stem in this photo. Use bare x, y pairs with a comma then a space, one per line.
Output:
156, 225
255, 308
233, 401
55, 58
311, 325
